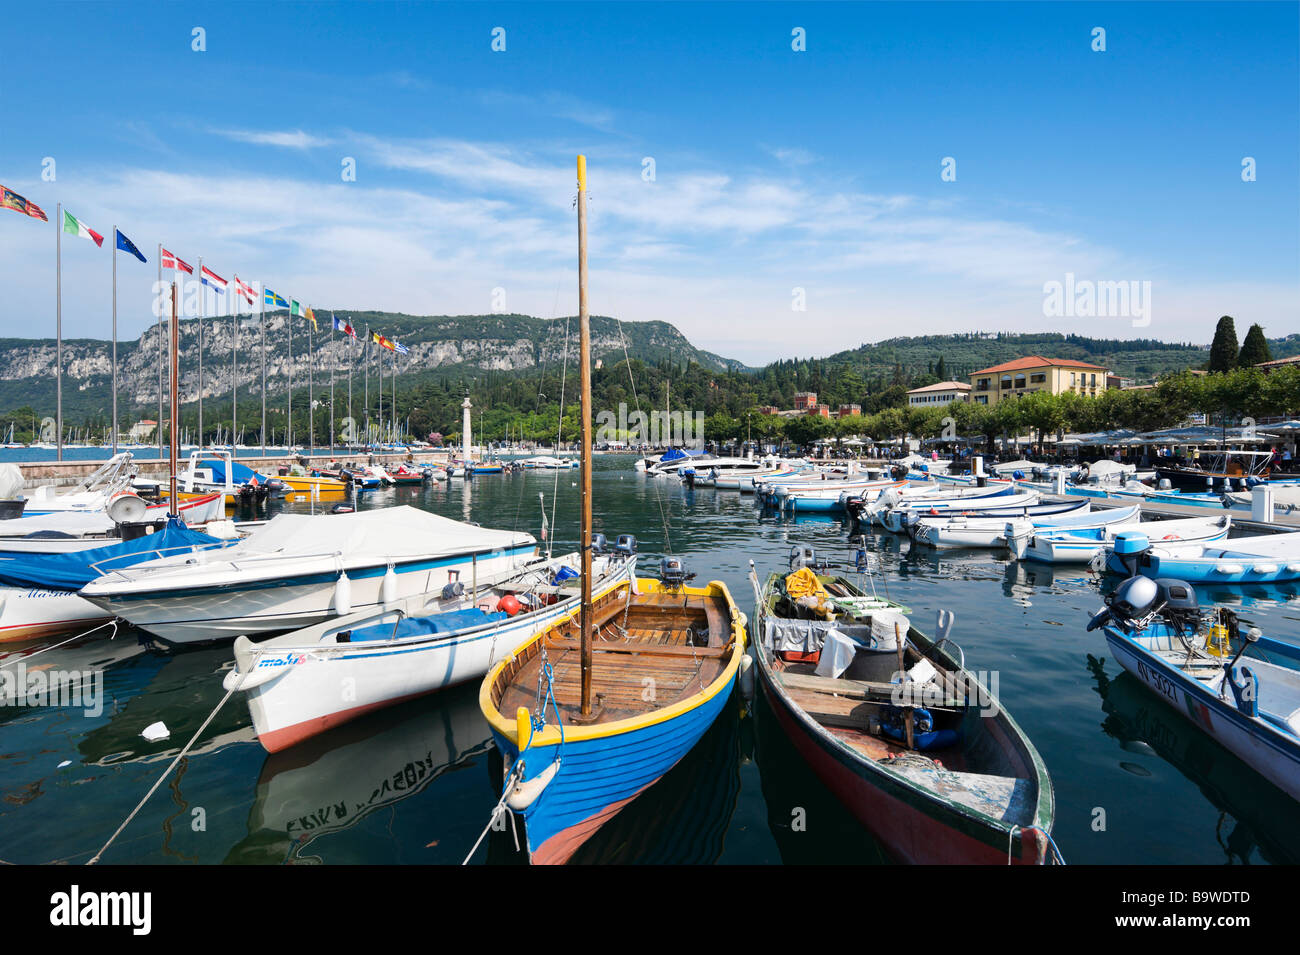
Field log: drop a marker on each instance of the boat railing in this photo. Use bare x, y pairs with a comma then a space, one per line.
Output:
158, 552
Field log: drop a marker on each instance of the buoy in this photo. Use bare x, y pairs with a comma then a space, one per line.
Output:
388, 589
747, 677
343, 595
509, 604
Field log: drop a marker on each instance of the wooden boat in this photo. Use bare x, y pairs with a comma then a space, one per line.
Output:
319, 486
599, 706
1194, 662
931, 765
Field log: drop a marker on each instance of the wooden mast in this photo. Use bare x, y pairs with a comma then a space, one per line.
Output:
175, 409
584, 358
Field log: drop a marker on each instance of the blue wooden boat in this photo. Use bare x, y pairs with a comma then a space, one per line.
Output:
663, 665
1241, 689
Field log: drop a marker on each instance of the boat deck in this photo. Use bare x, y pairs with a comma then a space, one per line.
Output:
649, 653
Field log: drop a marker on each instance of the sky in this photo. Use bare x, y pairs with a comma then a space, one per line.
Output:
916, 168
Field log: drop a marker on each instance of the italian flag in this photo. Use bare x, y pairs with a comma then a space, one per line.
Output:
74, 226
297, 308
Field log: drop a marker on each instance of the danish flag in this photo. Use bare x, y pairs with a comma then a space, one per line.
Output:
170, 261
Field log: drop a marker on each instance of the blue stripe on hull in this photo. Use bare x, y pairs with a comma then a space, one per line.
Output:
596, 774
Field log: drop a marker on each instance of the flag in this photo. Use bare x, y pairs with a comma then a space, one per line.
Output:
245, 291
382, 342
73, 226
126, 245
297, 308
170, 261
270, 298
342, 325
401, 349
212, 279
11, 200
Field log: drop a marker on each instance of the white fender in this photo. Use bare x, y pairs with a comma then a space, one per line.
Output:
524, 794
388, 589
343, 594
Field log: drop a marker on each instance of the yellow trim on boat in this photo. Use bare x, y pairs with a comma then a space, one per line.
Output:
305, 482
550, 735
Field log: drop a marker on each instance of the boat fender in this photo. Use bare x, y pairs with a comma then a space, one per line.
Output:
388, 588
1245, 687
343, 595
523, 794
747, 677
509, 605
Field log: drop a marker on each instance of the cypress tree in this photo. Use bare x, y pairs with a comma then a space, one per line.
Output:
1254, 349
1223, 350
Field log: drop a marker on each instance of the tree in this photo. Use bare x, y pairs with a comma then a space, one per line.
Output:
1223, 350
1254, 349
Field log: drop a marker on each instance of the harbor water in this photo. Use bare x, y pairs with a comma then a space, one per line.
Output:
1134, 781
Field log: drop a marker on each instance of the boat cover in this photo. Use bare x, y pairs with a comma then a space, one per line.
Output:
240, 473
72, 571
372, 536
70, 524
448, 622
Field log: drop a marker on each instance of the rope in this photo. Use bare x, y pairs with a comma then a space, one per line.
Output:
499, 808
663, 514
112, 623
179, 756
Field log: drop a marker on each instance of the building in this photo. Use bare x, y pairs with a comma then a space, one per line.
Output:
1036, 373
843, 411
142, 429
940, 393
823, 410
768, 409
1267, 366
805, 401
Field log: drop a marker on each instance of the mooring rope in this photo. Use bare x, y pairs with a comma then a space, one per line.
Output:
23, 659
179, 756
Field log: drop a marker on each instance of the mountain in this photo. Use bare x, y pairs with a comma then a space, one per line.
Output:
460, 344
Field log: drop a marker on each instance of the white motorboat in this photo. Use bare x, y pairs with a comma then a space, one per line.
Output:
1079, 545
898, 516
300, 570
1004, 529
426, 643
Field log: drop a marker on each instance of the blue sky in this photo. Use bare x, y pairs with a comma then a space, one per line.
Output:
775, 170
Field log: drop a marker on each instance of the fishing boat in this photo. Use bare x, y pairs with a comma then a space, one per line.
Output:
599, 706
420, 645
317, 486
1243, 689
869, 507
894, 725
829, 496
299, 569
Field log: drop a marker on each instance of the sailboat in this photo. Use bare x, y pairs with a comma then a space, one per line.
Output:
601, 704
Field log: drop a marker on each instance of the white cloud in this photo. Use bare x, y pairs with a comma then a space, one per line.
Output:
288, 139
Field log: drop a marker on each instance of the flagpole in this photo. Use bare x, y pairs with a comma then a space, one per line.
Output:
365, 360
203, 310
331, 364
262, 315
114, 339
394, 427
379, 364
158, 291
288, 433
311, 397
234, 369
58, 326
354, 421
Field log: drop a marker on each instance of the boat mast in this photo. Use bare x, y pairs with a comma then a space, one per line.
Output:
175, 402
584, 358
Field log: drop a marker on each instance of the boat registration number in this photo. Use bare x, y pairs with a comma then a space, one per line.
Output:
1158, 682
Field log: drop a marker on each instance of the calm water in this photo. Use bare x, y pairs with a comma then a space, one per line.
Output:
415, 784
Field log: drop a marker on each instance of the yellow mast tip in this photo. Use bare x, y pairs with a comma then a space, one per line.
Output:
582, 172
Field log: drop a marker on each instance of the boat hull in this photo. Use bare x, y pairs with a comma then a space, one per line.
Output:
911, 829
27, 613
221, 612
1264, 749
302, 699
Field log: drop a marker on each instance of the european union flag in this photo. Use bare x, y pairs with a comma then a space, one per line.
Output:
270, 298
126, 245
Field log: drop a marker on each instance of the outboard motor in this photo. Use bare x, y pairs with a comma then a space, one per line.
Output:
1163, 484
599, 545
625, 546
802, 555
1181, 608
672, 572
1131, 601
1129, 548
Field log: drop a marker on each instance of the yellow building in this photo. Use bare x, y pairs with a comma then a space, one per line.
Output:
1036, 373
